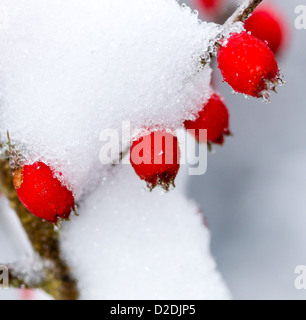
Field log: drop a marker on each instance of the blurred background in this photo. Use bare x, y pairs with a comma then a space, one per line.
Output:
254, 192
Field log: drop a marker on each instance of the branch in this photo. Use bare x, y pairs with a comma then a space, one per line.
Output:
54, 276
243, 12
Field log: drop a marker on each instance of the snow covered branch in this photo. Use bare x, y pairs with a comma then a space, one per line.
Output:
243, 12
29, 273
44, 239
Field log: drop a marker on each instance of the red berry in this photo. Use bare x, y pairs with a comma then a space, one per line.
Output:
248, 65
268, 24
155, 158
214, 117
210, 7
42, 193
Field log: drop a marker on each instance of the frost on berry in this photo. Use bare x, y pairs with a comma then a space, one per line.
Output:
42, 193
214, 117
155, 159
249, 66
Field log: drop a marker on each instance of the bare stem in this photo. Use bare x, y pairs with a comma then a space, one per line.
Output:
243, 12
58, 281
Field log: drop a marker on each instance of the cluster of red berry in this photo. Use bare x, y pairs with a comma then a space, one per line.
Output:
246, 63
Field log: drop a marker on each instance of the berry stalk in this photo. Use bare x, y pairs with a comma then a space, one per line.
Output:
243, 12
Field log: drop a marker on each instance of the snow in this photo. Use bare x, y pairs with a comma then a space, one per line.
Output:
143, 245
70, 69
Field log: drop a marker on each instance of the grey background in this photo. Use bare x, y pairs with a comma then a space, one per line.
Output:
254, 193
